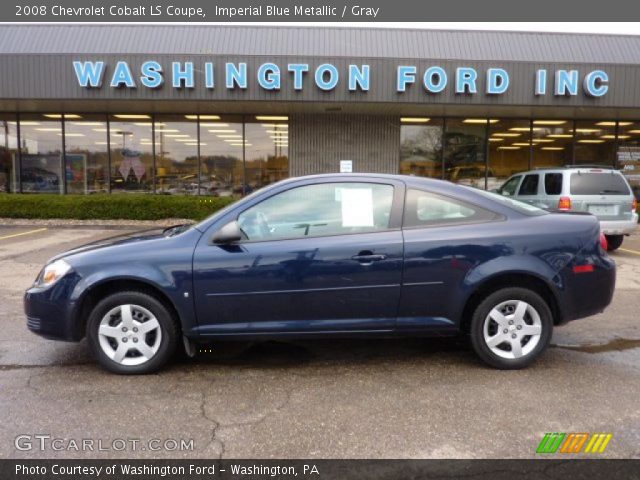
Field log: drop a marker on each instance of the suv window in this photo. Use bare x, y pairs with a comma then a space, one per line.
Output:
425, 209
553, 183
319, 210
529, 185
509, 187
606, 182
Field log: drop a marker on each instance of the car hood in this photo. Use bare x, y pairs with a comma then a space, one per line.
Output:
139, 236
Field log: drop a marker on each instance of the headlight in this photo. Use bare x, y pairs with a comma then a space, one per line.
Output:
52, 273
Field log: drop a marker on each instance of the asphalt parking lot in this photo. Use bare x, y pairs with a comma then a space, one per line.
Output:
331, 399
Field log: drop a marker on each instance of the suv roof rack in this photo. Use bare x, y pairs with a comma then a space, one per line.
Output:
579, 165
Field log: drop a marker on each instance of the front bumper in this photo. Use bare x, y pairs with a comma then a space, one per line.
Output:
619, 227
51, 313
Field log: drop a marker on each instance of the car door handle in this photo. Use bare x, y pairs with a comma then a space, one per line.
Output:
368, 257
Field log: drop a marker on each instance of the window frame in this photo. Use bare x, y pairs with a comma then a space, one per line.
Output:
498, 217
519, 176
395, 223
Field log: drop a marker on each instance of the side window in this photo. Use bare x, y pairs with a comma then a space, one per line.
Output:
553, 183
319, 210
529, 185
509, 188
426, 209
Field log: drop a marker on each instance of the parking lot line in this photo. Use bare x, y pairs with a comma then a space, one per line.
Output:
629, 251
23, 233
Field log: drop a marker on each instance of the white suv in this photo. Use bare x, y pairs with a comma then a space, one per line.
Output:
599, 190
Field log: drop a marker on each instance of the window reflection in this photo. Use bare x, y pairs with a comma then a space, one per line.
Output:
41, 154
221, 153
176, 154
266, 150
552, 142
131, 154
8, 153
595, 142
421, 147
509, 150
464, 150
87, 154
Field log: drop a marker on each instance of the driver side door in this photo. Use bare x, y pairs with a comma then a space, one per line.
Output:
317, 257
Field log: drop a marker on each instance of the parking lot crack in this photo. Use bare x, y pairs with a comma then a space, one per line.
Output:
214, 429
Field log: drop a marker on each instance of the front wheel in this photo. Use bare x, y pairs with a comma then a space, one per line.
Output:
511, 328
614, 242
131, 333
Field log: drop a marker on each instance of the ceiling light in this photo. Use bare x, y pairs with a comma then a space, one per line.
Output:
214, 124
145, 124
230, 136
275, 125
506, 134
100, 130
167, 130
26, 124
223, 131
88, 124
100, 143
72, 134
176, 135
623, 137
479, 120
560, 135
549, 122
496, 139
202, 117
613, 124
59, 115
272, 118
520, 144
552, 148
587, 130
240, 144
127, 116
525, 129
48, 129
543, 140
633, 131
508, 148
193, 143
414, 119
591, 141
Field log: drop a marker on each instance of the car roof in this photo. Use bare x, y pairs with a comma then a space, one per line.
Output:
408, 179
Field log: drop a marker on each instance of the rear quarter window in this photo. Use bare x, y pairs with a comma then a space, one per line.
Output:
424, 209
598, 183
553, 183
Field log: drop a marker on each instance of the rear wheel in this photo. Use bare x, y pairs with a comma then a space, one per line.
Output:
131, 333
511, 328
614, 242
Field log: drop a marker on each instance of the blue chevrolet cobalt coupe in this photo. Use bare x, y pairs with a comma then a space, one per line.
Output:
332, 255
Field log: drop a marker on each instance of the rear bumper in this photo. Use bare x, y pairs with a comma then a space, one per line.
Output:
619, 227
50, 312
589, 293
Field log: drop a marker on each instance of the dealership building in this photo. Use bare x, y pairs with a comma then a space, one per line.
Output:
223, 110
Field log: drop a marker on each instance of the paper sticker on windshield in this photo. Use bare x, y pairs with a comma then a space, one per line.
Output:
357, 207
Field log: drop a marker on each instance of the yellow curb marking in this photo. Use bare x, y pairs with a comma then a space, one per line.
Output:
23, 233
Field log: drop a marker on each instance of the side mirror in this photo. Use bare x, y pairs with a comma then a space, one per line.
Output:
230, 233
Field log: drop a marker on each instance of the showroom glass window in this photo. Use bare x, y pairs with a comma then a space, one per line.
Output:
421, 146
464, 150
9, 167
221, 155
509, 150
41, 153
595, 142
552, 142
628, 153
176, 139
131, 147
86, 153
266, 150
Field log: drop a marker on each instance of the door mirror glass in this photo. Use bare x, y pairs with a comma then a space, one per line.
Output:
230, 233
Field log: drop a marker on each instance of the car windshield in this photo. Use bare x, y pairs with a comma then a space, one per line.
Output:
598, 183
516, 205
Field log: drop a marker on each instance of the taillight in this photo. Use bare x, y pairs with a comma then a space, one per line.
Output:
564, 203
583, 268
603, 242
634, 204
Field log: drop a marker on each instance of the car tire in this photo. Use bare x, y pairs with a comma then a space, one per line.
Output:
502, 321
132, 333
614, 242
